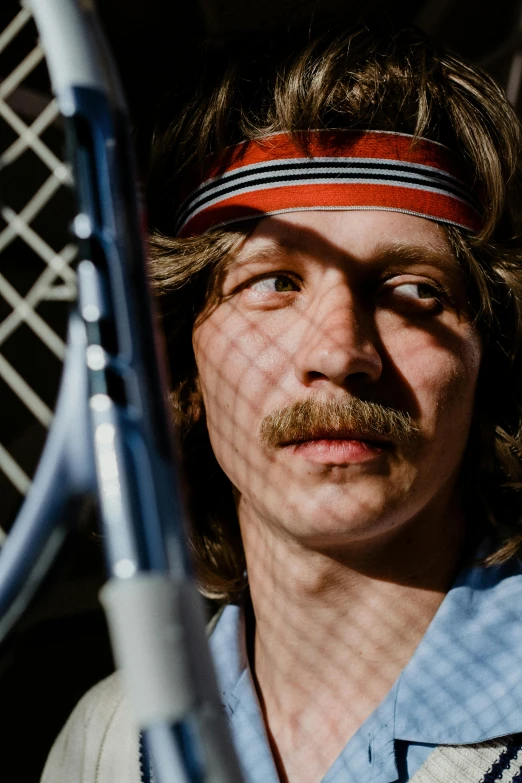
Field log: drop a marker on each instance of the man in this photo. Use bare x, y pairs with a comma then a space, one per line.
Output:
336, 247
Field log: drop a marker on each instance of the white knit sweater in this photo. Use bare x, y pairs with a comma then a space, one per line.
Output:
497, 761
99, 744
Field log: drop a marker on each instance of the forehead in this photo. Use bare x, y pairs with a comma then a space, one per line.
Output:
340, 236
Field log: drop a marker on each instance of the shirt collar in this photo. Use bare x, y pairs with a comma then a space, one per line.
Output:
238, 695
464, 682
228, 646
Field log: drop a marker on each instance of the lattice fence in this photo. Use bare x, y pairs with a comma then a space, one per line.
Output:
37, 279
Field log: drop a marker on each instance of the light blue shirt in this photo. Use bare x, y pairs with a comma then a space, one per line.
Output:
463, 685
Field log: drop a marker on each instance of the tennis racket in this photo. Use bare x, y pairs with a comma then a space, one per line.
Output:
110, 436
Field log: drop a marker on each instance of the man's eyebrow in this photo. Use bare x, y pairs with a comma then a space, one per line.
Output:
275, 250
400, 253
404, 253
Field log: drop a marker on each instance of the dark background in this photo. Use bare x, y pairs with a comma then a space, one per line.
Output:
60, 648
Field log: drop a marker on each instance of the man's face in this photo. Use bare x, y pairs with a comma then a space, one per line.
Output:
321, 307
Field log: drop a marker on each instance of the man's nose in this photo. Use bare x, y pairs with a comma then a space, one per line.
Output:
339, 342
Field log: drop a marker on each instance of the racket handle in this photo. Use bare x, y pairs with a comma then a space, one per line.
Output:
156, 629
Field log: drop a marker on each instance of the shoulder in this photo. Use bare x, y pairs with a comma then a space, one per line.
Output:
99, 743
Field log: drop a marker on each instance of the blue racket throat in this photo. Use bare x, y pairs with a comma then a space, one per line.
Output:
127, 397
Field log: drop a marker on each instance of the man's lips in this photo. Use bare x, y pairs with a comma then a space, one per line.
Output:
339, 448
329, 435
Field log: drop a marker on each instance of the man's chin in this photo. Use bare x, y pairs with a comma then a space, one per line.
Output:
333, 518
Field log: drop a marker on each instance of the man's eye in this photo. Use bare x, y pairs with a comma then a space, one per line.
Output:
274, 284
417, 291
415, 298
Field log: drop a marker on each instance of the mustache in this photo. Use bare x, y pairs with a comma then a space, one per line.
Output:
314, 418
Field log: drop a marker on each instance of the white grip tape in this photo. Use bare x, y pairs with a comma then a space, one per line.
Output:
68, 44
148, 638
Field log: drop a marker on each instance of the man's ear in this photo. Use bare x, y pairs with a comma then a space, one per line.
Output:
187, 403
196, 407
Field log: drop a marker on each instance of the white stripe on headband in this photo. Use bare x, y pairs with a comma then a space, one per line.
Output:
274, 175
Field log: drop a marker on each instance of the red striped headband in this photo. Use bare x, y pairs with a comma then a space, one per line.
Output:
331, 170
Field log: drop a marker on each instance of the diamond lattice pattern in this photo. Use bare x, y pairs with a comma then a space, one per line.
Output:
37, 279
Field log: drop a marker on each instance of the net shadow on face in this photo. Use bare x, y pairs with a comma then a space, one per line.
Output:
341, 421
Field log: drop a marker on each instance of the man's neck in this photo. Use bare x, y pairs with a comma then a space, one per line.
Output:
335, 629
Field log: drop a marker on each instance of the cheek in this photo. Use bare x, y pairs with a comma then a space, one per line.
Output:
238, 359
240, 367
441, 370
